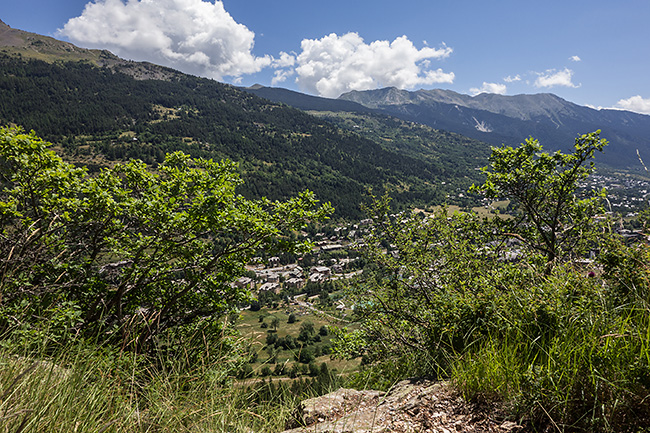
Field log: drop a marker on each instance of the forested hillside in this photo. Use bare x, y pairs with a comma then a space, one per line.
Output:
453, 154
100, 115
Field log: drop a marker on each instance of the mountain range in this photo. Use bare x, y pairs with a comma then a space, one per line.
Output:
98, 109
494, 119
424, 147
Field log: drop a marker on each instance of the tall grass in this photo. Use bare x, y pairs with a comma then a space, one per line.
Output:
88, 389
576, 356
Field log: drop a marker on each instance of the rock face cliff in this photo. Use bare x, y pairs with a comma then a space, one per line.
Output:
410, 406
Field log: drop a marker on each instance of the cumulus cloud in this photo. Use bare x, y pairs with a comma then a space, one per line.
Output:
512, 79
636, 104
553, 78
194, 36
499, 89
285, 60
281, 76
575, 59
336, 64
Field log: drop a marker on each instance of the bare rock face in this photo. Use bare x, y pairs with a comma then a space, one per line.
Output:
336, 407
410, 406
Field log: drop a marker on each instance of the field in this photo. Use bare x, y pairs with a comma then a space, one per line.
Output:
483, 211
251, 327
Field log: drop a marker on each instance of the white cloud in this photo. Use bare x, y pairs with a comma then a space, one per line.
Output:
336, 64
511, 79
281, 76
636, 104
552, 78
194, 36
575, 59
285, 61
499, 89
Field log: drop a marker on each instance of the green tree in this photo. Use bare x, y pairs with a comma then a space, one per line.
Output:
305, 355
138, 251
553, 218
420, 298
271, 338
274, 323
306, 332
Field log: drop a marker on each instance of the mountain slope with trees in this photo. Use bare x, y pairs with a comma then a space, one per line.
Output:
99, 109
100, 114
491, 118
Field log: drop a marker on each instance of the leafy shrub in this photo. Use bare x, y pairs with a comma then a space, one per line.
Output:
137, 252
455, 296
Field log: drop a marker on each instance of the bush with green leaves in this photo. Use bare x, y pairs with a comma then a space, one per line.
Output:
564, 343
552, 218
430, 293
137, 251
306, 332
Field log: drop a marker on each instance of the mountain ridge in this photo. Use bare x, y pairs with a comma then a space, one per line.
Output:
27, 45
35, 46
507, 105
498, 119
502, 119
99, 113
305, 102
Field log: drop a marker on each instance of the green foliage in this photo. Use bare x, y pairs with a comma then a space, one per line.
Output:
588, 372
552, 218
275, 322
564, 347
569, 347
306, 355
428, 286
306, 332
97, 389
137, 252
454, 158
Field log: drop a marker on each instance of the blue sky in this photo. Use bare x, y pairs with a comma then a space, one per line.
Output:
594, 53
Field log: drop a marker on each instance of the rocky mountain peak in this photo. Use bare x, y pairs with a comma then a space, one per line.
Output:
499, 119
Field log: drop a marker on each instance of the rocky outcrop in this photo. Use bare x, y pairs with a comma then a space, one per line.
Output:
410, 406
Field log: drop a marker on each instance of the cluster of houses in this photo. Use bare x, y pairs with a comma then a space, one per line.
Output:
273, 279
272, 276
626, 195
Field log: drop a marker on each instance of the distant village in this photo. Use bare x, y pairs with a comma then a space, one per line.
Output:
333, 256
625, 196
